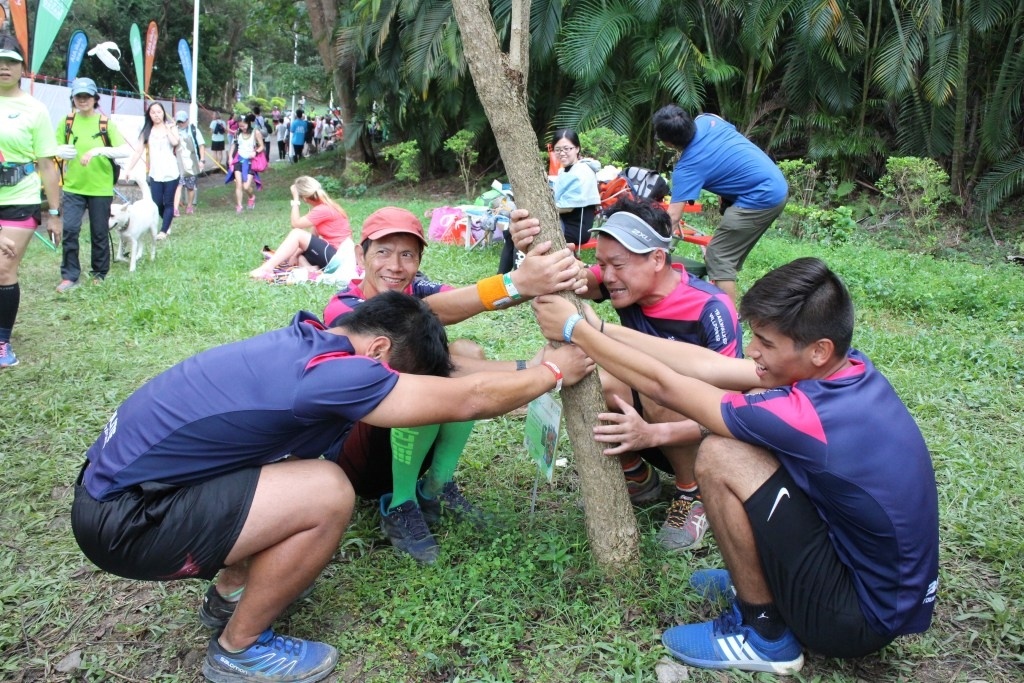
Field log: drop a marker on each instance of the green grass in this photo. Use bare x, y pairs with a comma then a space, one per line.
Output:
525, 602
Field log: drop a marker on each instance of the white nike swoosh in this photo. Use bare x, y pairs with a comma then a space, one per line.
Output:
782, 492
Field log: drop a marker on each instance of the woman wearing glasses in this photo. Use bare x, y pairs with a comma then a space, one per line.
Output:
576, 194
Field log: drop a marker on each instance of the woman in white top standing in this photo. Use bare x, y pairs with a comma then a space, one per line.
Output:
248, 144
160, 140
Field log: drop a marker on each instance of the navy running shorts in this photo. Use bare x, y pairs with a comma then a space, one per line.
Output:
163, 532
814, 591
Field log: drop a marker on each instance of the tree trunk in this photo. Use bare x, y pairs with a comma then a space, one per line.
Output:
501, 87
323, 19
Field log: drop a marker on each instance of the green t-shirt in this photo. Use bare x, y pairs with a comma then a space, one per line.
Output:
24, 137
96, 179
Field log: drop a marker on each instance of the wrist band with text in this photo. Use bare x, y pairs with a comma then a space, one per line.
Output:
570, 325
492, 293
506, 279
556, 371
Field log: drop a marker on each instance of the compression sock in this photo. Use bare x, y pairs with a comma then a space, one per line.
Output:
233, 596
451, 441
687, 491
765, 619
409, 448
10, 298
637, 469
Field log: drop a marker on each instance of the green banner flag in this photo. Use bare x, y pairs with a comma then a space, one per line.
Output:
49, 17
135, 38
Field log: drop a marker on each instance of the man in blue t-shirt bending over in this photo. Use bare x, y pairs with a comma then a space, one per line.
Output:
716, 157
817, 482
215, 465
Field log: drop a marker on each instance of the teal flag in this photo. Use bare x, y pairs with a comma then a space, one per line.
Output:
135, 40
49, 17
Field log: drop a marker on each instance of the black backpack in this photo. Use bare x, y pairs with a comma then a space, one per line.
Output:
219, 128
103, 135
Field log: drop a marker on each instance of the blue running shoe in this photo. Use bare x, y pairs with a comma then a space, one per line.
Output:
726, 643
272, 657
713, 584
451, 502
407, 530
7, 357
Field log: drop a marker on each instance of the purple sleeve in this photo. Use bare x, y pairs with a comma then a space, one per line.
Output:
348, 387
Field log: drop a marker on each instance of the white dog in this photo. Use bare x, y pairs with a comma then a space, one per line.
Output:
132, 222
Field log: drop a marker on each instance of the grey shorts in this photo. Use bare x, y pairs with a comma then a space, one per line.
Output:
735, 238
188, 182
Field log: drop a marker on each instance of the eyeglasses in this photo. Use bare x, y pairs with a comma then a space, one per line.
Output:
563, 150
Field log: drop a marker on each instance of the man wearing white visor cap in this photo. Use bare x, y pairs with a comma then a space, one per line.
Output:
659, 298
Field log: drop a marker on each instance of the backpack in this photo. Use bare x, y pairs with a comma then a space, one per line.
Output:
218, 128
103, 135
646, 184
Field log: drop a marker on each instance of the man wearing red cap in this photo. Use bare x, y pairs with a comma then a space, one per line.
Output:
390, 253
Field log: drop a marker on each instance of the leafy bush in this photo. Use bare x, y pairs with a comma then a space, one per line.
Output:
406, 159
356, 173
605, 145
461, 145
826, 226
920, 190
331, 185
802, 177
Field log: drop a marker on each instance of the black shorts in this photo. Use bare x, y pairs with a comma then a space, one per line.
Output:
162, 532
366, 460
319, 252
813, 590
217, 146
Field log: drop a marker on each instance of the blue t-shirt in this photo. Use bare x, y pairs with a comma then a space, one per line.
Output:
300, 127
294, 391
721, 160
852, 446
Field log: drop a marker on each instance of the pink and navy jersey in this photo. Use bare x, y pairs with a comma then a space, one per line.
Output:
851, 444
351, 296
294, 391
695, 312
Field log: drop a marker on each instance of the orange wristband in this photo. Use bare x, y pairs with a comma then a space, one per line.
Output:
492, 293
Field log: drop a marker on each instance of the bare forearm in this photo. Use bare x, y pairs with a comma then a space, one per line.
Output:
689, 359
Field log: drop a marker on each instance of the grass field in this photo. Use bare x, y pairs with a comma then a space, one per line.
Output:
523, 602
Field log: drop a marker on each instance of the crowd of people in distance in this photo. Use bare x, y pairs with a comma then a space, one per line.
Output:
827, 532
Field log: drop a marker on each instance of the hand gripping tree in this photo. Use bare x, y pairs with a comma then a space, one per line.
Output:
500, 81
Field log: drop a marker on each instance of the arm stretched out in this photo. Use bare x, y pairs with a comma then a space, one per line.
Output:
693, 386
422, 400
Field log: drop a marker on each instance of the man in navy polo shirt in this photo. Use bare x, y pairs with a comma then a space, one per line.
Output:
213, 467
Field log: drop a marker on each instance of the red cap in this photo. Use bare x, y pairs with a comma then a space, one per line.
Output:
392, 221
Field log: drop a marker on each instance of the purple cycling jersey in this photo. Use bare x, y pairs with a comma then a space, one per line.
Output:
851, 444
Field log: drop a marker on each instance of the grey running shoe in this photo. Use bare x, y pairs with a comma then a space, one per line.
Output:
407, 530
647, 491
685, 525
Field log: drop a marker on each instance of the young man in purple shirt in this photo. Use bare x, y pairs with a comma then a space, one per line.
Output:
817, 482
213, 468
